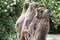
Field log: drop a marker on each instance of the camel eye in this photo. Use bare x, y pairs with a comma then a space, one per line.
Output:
41, 11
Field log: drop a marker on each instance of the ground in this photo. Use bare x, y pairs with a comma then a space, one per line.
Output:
53, 37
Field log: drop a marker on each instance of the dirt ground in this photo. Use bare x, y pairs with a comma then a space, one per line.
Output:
53, 37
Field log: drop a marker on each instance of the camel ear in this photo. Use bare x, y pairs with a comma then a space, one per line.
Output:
33, 4
26, 5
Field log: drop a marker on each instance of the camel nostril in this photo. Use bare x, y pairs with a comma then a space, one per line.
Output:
49, 11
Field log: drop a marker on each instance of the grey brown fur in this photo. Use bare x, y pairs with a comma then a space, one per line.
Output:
33, 24
29, 16
39, 27
20, 20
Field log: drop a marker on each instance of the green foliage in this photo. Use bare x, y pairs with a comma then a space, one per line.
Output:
10, 10
7, 19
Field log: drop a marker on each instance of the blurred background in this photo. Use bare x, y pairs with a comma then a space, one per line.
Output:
10, 10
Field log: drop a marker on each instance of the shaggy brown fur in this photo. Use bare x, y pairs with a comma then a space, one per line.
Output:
20, 20
29, 16
39, 26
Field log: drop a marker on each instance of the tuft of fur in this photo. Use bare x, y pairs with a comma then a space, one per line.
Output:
20, 20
